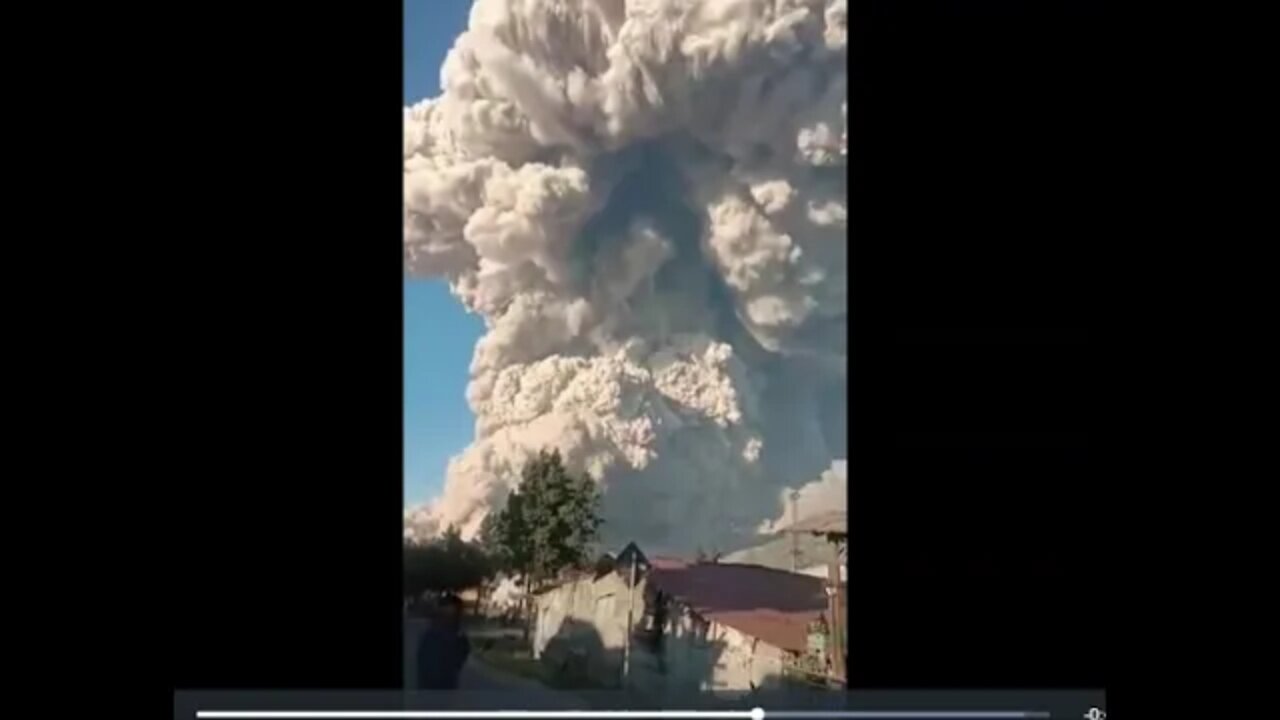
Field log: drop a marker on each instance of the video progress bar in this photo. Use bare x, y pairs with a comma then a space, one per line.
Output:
755, 714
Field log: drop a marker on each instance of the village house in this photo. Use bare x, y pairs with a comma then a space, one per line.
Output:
684, 626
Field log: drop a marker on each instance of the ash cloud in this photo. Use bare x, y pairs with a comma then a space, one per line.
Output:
645, 201
829, 492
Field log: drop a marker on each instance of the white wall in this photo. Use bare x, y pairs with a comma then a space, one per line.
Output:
696, 655
594, 609
707, 656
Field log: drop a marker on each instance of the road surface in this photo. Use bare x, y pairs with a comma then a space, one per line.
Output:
483, 683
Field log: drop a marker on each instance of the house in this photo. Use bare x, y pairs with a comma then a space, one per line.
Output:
833, 527
684, 626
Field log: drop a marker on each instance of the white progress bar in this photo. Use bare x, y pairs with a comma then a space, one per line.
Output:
753, 714
484, 714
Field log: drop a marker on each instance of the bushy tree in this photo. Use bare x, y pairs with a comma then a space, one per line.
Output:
503, 536
549, 523
445, 564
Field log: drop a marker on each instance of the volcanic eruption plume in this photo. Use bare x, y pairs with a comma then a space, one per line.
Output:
645, 201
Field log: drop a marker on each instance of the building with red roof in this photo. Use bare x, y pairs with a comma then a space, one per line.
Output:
684, 625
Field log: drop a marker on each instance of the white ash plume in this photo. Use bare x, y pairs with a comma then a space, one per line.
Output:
829, 492
645, 200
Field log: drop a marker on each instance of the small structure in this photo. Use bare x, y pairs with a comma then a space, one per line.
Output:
834, 528
681, 626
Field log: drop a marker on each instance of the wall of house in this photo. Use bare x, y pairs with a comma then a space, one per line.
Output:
580, 627
582, 624
701, 656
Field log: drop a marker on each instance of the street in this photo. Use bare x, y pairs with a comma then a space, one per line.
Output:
486, 687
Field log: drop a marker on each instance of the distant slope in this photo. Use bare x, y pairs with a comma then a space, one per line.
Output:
776, 553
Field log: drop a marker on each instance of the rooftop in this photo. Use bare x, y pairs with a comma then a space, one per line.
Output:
772, 605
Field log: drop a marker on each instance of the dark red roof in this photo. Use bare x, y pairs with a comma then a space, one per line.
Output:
772, 605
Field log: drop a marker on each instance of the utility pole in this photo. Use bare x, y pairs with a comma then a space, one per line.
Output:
795, 539
626, 637
836, 595
526, 603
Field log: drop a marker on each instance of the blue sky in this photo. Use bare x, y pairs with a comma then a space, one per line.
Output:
438, 334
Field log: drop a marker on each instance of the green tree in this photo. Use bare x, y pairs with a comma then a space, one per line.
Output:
549, 524
445, 564
561, 516
502, 535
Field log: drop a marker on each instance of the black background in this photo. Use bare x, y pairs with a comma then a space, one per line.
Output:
981, 237
978, 150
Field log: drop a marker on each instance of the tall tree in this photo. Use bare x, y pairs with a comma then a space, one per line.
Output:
549, 524
503, 537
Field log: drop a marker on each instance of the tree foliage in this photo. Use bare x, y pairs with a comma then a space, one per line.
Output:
446, 564
549, 523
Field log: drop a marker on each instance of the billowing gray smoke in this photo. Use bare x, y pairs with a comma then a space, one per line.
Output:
645, 200
829, 492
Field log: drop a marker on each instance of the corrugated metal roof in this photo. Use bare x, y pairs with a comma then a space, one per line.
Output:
772, 605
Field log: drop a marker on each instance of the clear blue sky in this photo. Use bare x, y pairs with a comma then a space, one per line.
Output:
438, 334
